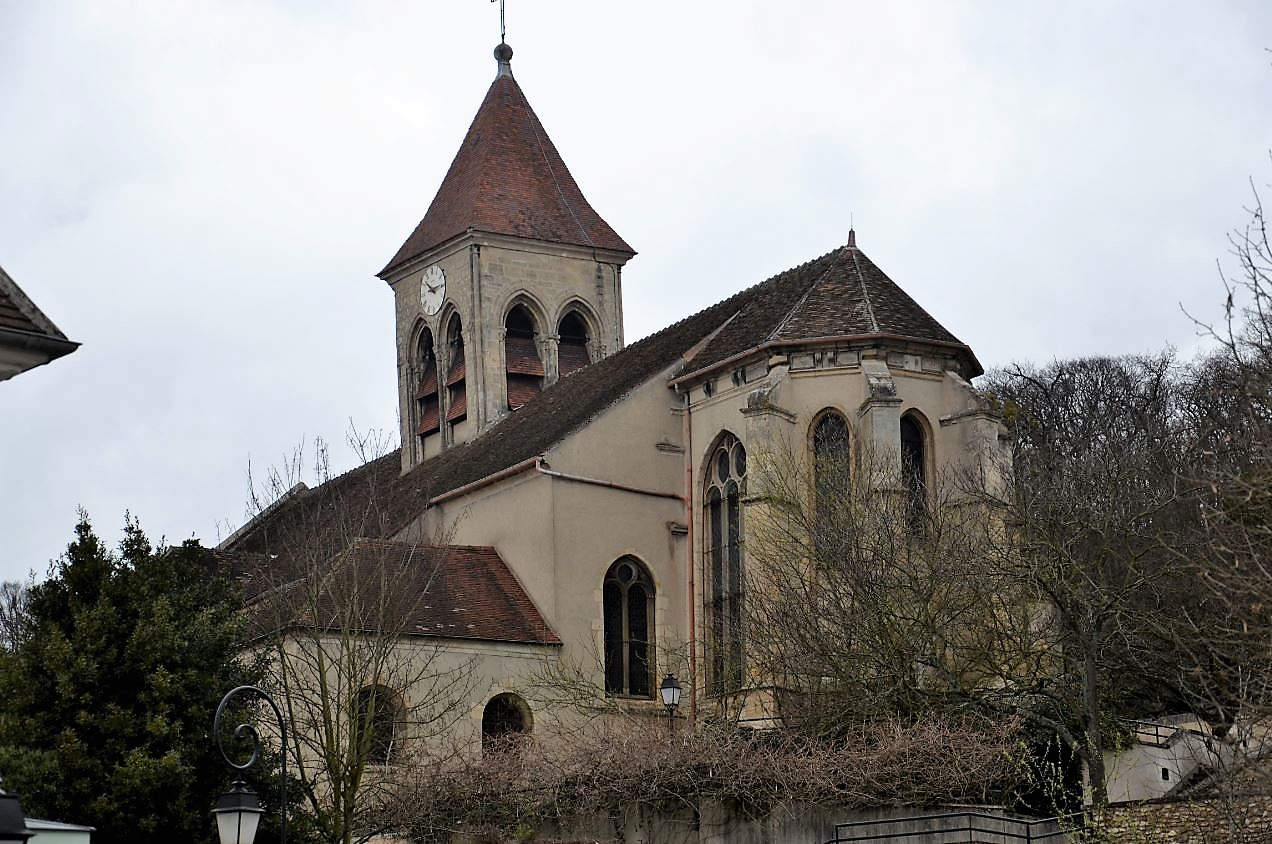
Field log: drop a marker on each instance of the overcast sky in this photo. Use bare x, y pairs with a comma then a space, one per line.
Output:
201, 193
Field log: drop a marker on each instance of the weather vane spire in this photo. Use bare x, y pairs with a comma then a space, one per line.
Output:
503, 30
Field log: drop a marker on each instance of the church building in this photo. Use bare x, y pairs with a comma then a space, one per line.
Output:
562, 498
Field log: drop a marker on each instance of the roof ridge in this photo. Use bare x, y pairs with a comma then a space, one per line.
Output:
802, 299
865, 294
536, 126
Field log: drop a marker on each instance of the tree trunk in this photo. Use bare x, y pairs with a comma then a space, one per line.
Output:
1094, 739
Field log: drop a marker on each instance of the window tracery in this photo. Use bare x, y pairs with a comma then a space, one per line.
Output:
628, 598
722, 501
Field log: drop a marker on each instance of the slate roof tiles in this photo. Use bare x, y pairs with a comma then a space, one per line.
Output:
841, 294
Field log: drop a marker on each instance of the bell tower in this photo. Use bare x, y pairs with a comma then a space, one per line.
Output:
510, 282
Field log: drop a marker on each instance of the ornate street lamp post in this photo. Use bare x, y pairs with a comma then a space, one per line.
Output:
670, 691
238, 811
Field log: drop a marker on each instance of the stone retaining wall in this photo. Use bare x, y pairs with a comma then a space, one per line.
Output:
1241, 820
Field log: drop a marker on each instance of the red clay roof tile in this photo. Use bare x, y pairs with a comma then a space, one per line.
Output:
508, 178
453, 591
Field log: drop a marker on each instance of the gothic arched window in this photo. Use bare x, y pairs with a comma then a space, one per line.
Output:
914, 468
505, 719
629, 616
377, 722
426, 392
832, 477
830, 453
456, 395
722, 518
521, 354
572, 352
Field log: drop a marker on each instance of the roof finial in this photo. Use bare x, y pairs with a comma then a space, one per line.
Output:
503, 55
503, 30
852, 233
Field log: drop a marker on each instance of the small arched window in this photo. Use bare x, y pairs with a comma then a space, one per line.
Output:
377, 723
722, 499
572, 350
832, 482
426, 393
456, 394
629, 613
505, 719
521, 354
914, 469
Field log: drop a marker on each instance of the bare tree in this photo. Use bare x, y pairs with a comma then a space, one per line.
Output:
341, 608
862, 605
1103, 517
13, 614
1223, 634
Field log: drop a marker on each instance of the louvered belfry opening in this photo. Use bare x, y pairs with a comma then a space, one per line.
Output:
572, 351
521, 351
427, 400
456, 395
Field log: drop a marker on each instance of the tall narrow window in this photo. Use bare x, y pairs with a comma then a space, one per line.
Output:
456, 395
426, 392
572, 350
629, 614
831, 486
914, 469
377, 721
521, 353
722, 513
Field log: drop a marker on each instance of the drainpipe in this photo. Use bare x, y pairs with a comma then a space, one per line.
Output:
687, 438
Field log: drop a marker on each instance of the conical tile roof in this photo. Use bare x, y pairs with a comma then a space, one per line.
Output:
840, 295
509, 179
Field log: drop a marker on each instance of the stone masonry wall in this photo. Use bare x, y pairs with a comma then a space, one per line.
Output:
1243, 820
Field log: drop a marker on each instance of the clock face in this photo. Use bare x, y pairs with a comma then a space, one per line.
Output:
432, 289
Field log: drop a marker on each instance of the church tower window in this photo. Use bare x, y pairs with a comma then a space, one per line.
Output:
725, 485
427, 403
629, 612
572, 351
521, 353
456, 395
914, 468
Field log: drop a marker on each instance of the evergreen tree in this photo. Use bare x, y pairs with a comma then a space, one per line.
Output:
109, 697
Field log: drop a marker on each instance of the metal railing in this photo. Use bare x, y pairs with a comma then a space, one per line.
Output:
952, 827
